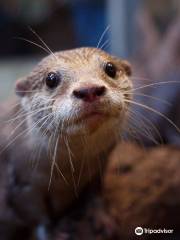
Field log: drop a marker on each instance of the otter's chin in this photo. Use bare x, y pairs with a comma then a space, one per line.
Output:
87, 125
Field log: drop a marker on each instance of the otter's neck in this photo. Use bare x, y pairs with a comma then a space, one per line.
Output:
80, 156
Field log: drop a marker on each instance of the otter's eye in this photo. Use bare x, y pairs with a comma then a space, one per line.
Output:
110, 69
52, 80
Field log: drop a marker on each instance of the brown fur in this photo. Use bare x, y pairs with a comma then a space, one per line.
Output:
31, 193
140, 188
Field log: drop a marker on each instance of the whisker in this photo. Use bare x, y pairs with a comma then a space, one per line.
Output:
155, 111
28, 114
151, 123
24, 120
71, 166
133, 133
33, 43
105, 44
25, 132
70, 154
141, 78
53, 162
81, 170
102, 36
42, 42
152, 97
24, 91
142, 129
153, 84
33, 159
59, 170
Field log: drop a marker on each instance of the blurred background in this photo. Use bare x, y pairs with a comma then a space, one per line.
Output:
147, 33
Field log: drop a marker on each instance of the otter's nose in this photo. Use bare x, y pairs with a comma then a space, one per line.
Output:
89, 94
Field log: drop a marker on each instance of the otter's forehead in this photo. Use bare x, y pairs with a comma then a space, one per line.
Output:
76, 57
82, 54
77, 64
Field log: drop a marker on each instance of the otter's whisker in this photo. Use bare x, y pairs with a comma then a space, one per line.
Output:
53, 162
71, 166
70, 153
81, 170
152, 85
24, 132
36, 160
156, 131
23, 121
31, 42
134, 132
102, 36
105, 44
155, 111
42, 42
153, 98
27, 91
28, 114
142, 129
62, 175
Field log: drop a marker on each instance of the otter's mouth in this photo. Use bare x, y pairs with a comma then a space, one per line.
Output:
91, 116
88, 121
91, 119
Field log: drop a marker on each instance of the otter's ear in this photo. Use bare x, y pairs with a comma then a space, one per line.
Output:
127, 67
22, 86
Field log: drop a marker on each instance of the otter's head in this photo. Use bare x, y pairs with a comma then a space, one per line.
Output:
76, 92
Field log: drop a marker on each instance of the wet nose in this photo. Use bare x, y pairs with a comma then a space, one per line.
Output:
89, 94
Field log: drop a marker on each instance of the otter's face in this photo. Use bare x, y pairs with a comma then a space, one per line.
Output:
76, 92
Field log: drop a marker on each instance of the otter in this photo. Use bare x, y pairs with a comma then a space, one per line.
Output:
55, 140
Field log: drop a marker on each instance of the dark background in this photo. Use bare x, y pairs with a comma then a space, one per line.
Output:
147, 33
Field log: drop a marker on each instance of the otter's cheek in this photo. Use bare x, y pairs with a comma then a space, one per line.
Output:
63, 109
